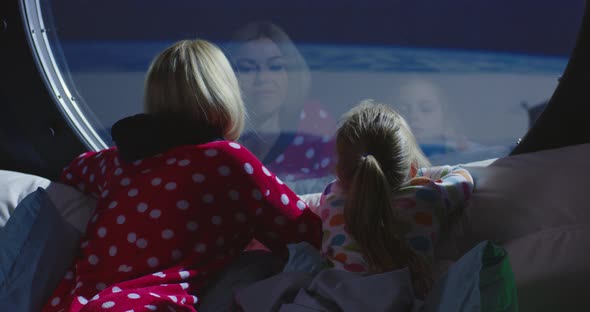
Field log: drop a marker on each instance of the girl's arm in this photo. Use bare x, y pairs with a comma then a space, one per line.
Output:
281, 217
434, 173
458, 183
86, 173
429, 202
454, 184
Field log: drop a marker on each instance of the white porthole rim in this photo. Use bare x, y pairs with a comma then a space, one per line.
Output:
49, 70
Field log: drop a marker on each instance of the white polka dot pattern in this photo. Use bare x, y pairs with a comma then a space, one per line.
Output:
131, 237
301, 205
124, 268
200, 248
184, 274
152, 262
199, 178
141, 243
133, 296
182, 204
284, 199
192, 226
82, 300
256, 195
208, 198
93, 259
155, 214
211, 152
248, 168
167, 234
142, 207
216, 220
224, 171
170, 161
234, 195
176, 254
55, 301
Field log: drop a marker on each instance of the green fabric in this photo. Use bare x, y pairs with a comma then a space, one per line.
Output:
496, 281
480, 281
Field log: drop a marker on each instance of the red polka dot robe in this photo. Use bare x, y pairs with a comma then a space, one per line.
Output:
165, 224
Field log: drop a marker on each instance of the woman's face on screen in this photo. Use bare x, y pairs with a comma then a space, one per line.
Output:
261, 69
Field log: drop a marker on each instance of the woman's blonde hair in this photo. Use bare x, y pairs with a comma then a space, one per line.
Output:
195, 79
376, 154
297, 69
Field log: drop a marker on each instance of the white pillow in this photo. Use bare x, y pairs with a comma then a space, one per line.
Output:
74, 206
535, 205
523, 194
14, 187
312, 201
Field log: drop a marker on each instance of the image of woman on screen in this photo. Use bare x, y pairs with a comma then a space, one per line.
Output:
289, 132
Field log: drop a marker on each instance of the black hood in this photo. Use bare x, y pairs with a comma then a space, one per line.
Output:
145, 135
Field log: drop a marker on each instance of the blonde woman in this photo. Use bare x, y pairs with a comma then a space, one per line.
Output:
178, 199
383, 213
289, 132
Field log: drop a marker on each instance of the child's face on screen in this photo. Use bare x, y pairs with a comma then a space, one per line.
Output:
420, 103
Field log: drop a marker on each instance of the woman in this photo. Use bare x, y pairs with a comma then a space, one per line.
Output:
293, 136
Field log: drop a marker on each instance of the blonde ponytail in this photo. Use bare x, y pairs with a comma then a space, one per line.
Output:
375, 153
370, 201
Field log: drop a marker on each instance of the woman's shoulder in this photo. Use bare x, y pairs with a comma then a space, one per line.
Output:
316, 118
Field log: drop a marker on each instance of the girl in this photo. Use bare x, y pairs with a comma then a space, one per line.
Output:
383, 213
178, 200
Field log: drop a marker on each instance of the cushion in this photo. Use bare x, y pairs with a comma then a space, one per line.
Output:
523, 194
481, 280
15, 187
534, 205
37, 246
312, 200
552, 269
75, 207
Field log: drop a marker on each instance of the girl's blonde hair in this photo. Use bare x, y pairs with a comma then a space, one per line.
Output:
377, 152
297, 69
195, 79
